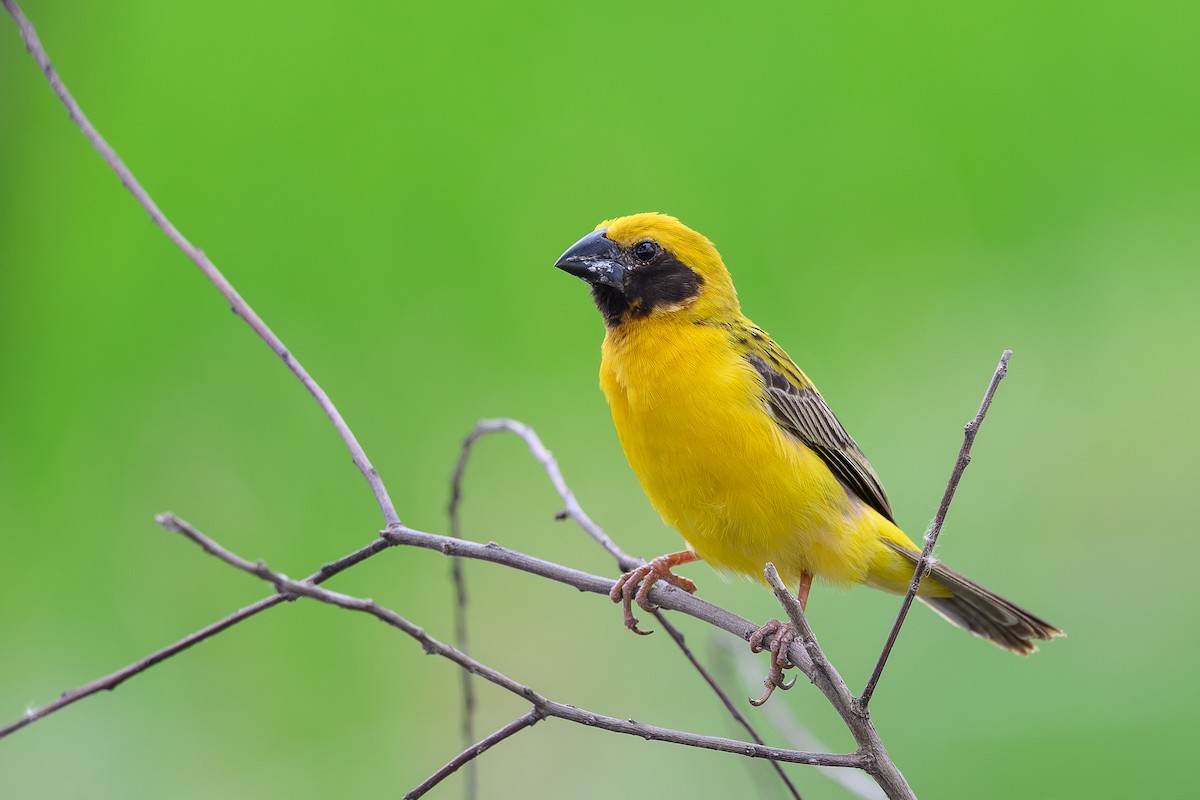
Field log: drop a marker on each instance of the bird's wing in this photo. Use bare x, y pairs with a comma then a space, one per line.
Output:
800, 410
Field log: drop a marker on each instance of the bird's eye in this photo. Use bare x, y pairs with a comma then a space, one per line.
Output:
645, 250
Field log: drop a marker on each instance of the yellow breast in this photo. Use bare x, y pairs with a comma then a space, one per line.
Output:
692, 419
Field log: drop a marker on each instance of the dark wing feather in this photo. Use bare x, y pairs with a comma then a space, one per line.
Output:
799, 409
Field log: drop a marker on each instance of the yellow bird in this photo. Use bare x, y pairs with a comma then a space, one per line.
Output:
736, 448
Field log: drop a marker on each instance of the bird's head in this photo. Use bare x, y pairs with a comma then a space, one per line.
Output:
651, 265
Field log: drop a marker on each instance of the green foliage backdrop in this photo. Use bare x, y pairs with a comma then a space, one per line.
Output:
900, 190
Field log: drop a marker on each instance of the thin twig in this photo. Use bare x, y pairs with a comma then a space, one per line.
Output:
795, 614
115, 679
571, 507
574, 511
459, 577
547, 706
239, 306
738, 716
781, 715
467, 757
878, 762
826, 678
925, 562
668, 597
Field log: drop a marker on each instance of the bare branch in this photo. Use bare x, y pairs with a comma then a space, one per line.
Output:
828, 681
571, 507
467, 722
115, 679
112, 681
459, 578
239, 306
469, 755
794, 732
548, 707
665, 596
923, 565
826, 678
733, 710
574, 511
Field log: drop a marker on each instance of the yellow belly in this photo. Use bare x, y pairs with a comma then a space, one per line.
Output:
692, 421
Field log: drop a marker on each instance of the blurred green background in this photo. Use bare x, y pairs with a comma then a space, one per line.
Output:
900, 191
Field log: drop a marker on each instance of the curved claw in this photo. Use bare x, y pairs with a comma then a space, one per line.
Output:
631, 621
629, 588
784, 635
635, 585
773, 681
756, 638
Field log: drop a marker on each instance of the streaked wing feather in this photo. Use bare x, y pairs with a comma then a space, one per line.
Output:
802, 412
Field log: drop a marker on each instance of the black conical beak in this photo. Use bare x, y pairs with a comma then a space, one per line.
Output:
596, 259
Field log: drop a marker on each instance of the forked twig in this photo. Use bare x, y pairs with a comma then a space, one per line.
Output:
571, 508
924, 564
574, 511
550, 708
829, 681
115, 679
738, 717
467, 757
747, 667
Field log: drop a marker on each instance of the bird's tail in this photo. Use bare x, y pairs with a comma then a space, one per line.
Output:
982, 611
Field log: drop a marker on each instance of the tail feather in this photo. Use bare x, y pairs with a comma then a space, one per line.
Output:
982, 611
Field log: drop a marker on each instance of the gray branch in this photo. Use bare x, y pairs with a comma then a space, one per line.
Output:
467, 757
574, 511
571, 508
292, 589
822, 673
115, 679
748, 669
925, 562
239, 306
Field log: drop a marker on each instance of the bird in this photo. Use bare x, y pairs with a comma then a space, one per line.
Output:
738, 451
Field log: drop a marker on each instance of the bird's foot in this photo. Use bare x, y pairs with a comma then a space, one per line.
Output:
635, 585
784, 633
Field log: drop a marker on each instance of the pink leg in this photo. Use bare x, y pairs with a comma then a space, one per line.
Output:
785, 634
636, 584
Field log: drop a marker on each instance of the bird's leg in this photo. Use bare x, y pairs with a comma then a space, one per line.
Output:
785, 634
805, 588
637, 583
